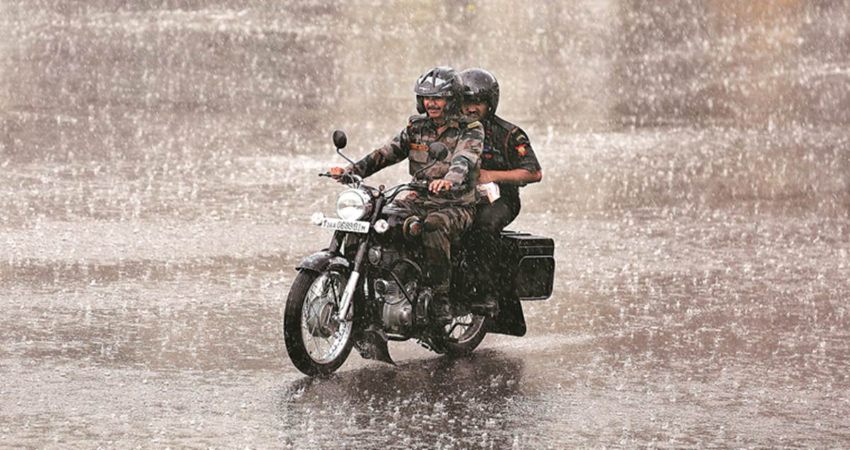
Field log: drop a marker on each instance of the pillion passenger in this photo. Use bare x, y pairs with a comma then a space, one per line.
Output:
507, 163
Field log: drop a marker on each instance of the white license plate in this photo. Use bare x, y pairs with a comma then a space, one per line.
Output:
354, 226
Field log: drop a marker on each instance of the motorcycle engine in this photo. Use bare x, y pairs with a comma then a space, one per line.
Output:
397, 312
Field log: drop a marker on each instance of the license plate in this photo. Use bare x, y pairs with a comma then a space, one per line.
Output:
354, 226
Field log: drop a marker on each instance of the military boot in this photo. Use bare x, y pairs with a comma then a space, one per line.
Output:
488, 306
441, 310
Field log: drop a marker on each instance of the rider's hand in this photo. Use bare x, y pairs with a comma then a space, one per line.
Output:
339, 173
440, 185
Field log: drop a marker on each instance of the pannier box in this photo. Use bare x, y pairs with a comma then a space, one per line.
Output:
531, 260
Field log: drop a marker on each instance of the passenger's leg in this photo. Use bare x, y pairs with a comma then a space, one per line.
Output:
485, 239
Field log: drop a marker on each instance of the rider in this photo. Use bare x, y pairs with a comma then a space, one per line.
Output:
448, 207
507, 160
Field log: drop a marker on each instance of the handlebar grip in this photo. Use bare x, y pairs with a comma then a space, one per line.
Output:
426, 186
451, 191
345, 177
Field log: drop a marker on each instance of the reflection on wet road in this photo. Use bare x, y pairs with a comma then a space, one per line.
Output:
158, 167
445, 402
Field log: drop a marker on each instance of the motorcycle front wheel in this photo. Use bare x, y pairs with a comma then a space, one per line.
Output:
317, 341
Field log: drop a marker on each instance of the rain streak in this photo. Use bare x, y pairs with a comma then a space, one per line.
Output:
158, 165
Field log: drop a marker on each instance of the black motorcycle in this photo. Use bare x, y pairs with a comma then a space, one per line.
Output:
367, 287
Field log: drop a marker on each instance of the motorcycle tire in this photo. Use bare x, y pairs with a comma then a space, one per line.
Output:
469, 339
309, 324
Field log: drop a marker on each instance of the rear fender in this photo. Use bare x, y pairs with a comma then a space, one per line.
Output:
510, 320
321, 261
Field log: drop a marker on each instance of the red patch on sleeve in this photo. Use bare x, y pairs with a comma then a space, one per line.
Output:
521, 150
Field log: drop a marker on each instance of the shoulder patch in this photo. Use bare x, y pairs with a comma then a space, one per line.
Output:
521, 150
520, 136
475, 124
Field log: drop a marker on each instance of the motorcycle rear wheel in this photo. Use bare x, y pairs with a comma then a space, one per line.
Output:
317, 342
466, 333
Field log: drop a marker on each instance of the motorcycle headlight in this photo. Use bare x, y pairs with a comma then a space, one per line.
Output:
352, 204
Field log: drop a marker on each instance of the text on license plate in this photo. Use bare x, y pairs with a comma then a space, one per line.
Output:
355, 226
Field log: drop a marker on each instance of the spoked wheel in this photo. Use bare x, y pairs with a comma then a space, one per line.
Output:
317, 341
465, 333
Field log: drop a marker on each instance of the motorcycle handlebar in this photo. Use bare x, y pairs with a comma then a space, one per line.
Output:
415, 185
421, 186
346, 178
418, 185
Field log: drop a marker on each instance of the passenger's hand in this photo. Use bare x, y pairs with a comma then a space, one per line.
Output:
440, 185
485, 176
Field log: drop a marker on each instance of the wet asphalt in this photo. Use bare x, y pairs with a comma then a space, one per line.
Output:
158, 169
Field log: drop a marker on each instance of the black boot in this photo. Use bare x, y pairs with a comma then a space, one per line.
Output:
441, 310
487, 306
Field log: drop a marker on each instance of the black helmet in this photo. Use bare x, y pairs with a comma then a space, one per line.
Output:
481, 85
440, 82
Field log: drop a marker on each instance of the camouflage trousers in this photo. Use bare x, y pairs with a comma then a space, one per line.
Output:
442, 224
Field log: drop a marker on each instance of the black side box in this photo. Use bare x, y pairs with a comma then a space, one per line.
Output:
530, 262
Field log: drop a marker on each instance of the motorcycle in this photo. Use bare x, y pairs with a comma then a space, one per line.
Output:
368, 286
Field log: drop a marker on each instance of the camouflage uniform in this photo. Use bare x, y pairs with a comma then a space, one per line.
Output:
446, 215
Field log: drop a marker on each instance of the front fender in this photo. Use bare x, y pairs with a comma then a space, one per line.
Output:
320, 261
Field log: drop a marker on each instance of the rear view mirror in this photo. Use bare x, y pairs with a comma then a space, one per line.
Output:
340, 140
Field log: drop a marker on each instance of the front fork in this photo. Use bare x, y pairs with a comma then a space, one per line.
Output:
345, 310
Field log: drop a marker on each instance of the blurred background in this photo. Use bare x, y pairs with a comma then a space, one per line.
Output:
197, 82
158, 165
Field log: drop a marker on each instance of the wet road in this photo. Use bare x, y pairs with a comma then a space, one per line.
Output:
157, 172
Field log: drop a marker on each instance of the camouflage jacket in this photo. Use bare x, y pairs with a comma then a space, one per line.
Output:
507, 147
461, 166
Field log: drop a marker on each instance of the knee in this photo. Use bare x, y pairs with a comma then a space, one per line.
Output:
486, 224
489, 227
436, 223
492, 220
